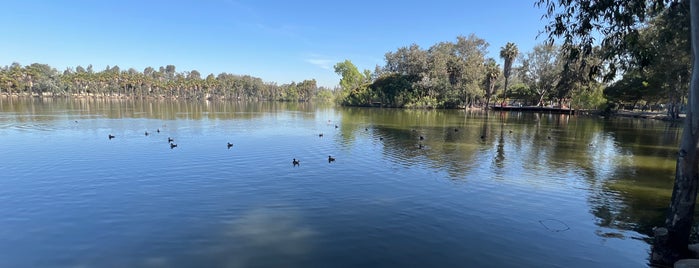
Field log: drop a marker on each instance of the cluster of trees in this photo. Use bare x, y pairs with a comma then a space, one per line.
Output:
650, 67
447, 75
165, 82
646, 46
458, 74
656, 66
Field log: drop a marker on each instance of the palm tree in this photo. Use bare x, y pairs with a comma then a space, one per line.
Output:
508, 53
491, 76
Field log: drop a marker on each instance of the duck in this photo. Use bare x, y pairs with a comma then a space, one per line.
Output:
320, 135
172, 145
229, 145
335, 126
380, 138
331, 159
456, 130
366, 129
158, 130
420, 146
147, 133
549, 137
170, 140
295, 162
482, 137
111, 136
421, 137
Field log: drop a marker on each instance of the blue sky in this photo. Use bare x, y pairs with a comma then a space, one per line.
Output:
278, 41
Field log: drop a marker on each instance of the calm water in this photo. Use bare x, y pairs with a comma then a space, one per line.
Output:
537, 191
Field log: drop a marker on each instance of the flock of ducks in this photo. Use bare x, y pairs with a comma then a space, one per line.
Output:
170, 140
296, 162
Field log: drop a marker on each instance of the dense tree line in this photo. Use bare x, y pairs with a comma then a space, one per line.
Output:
648, 69
458, 74
165, 82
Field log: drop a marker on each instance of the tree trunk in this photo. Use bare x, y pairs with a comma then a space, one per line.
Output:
684, 193
541, 99
504, 95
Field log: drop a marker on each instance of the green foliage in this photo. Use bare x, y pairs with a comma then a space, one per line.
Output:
446, 75
622, 25
520, 91
351, 77
41, 79
631, 88
393, 89
541, 70
324, 95
508, 53
591, 98
492, 72
354, 85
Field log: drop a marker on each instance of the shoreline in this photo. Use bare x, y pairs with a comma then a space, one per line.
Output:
620, 113
649, 115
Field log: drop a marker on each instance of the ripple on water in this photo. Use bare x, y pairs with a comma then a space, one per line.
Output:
133, 201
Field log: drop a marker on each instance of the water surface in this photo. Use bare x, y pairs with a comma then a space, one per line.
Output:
479, 190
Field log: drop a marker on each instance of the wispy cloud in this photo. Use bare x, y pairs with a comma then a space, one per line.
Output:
323, 63
251, 17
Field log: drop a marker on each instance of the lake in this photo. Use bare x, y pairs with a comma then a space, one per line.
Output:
477, 190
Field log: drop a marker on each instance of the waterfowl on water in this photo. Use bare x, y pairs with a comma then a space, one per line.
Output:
147, 133
295, 162
420, 146
335, 126
158, 130
331, 159
320, 135
172, 145
229, 145
170, 139
380, 138
456, 130
366, 129
482, 137
110, 136
421, 137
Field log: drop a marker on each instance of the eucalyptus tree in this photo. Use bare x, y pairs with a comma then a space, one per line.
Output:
471, 53
42, 78
355, 89
541, 69
442, 73
665, 57
576, 77
16, 72
448, 74
411, 63
578, 23
508, 53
